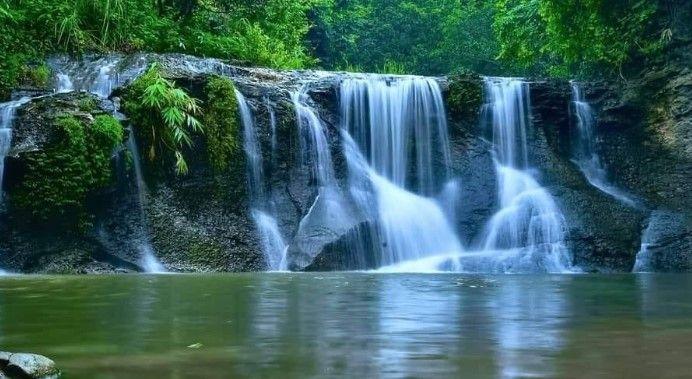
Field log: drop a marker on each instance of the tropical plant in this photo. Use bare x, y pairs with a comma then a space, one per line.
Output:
166, 114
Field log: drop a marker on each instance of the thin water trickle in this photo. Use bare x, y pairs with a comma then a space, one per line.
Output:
584, 151
148, 260
651, 238
313, 139
7, 114
273, 244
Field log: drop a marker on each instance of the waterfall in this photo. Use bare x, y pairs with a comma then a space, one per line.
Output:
7, 114
584, 151
149, 262
273, 245
314, 143
396, 120
272, 124
643, 260
400, 125
99, 76
527, 233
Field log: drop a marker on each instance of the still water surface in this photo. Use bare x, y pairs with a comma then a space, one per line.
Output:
353, 325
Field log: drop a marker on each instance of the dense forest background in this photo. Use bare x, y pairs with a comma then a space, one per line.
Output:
510, 37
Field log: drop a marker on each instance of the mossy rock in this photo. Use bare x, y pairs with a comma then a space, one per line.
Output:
465, 95
71, 161
221, 123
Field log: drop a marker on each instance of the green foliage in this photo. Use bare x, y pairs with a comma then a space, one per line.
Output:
574, 36
39, 76
221, 120
76, 161
164, 114
409, 36
268, 32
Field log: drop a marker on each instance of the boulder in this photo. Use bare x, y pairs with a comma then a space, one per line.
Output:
24, 365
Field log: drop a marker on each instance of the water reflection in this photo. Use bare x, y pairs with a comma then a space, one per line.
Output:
528, 317
350, 325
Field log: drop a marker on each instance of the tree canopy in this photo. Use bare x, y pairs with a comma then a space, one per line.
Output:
540, 37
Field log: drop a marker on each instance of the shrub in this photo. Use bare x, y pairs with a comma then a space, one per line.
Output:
164, 115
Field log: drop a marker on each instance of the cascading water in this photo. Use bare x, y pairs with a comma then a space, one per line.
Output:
527, 233
394, 119
101, 77
7, 114
643, 261
272, 124
149, 262
584, 151
273, 245
313, 139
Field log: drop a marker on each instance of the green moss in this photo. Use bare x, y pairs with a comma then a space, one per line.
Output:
75, 162
87, 104
465, 95
221, 122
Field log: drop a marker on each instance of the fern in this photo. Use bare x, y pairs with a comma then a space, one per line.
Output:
169, 114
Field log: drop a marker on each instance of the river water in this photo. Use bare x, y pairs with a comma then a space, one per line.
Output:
352, 325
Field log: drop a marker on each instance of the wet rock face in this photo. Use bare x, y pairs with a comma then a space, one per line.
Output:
603, 233
646, 129
48, 248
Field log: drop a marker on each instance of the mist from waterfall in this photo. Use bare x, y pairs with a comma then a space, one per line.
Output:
584, 150
400, 146
263, 214
527, 232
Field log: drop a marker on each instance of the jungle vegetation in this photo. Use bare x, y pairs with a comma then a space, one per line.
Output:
509, 37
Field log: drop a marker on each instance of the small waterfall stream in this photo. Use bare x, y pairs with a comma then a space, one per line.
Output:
101, 77
273, 245
584, 151
7, 114
527, 233
314, 143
